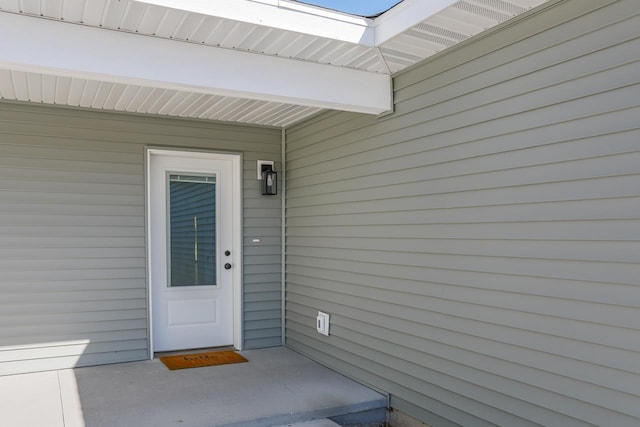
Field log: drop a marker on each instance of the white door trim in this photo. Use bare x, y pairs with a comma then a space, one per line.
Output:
237, 257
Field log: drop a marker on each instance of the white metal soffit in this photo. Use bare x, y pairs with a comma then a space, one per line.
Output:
293, 60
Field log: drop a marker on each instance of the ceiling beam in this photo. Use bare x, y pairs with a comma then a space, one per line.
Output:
281, 14
71, 50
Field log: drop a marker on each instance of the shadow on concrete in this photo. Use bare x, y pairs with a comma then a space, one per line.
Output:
276, 387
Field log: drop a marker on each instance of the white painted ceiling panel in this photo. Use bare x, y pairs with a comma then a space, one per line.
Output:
34, 86
73, 10
75, 91
113, 14
7, 88
448, 22
20, 86
102, 95
145, 19
89, 92
92, 16
456, 23
482, 18
170, 25
161, 97
31, 7
49, 89
432, 29
132, 18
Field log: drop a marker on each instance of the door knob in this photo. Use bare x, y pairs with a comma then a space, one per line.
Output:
227, 266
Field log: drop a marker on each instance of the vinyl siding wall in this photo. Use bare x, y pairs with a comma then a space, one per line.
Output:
72, 233
479, 249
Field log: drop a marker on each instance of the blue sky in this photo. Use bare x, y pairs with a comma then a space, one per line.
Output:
355, 7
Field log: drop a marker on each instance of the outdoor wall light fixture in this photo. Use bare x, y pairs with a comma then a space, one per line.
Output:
269, 178
269, 182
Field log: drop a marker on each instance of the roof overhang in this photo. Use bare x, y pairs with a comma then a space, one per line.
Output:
283, 15
306, 19
57, 48
404, 16
265, 62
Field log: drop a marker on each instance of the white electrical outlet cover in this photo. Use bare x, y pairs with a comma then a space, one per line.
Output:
322, 323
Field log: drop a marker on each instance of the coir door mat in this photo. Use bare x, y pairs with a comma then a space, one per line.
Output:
198, 360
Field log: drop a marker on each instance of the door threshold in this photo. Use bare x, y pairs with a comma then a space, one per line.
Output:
159, 354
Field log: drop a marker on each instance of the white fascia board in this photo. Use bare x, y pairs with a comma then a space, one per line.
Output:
406, 15
71, 50
281, 14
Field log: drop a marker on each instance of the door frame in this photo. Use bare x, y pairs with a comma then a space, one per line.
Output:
237, 227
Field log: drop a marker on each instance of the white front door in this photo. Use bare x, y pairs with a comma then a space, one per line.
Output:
193, 215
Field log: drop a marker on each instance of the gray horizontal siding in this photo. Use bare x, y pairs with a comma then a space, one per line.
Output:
72, 233
478, 250
262, 261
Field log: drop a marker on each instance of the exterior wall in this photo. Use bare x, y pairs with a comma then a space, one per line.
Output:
72, 233
478, 250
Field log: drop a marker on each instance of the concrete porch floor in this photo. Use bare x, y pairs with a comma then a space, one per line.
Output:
276, 387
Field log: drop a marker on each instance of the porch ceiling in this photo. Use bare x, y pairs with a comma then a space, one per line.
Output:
282, 61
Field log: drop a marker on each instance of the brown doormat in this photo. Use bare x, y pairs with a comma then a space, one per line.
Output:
198, 360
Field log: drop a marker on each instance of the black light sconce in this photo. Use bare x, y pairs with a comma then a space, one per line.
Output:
269, 178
